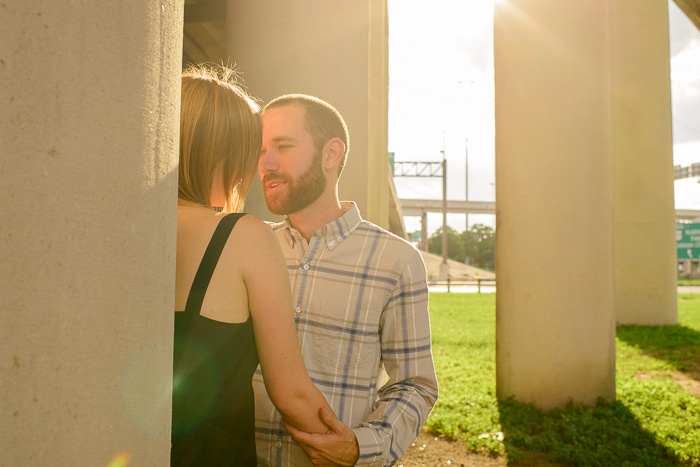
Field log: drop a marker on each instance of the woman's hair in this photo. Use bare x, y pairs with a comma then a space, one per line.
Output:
220, 133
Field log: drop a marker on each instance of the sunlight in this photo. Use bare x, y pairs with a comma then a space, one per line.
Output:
685, 94
441, 97
120, 460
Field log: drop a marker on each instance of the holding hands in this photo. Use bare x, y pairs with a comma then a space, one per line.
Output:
336, 448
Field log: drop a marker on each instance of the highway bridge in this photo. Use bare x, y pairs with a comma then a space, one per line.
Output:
421, 208
416, 207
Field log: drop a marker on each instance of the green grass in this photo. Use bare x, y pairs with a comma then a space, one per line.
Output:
689, 282
654, 421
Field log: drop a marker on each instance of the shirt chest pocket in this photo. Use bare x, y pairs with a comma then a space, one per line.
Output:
344, 345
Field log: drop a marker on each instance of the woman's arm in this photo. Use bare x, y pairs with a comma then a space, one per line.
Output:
270, 302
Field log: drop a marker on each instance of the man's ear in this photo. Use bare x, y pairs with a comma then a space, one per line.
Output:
333, 152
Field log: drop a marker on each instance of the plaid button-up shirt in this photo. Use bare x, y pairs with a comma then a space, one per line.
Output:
360, 299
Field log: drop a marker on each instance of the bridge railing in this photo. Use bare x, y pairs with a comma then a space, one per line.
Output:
482, 285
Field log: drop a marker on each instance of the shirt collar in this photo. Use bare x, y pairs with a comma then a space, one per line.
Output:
335, 232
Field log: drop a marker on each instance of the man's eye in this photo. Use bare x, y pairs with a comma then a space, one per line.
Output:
284, 146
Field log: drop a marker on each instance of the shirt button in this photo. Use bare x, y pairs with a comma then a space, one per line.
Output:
298, 309
278, 443
331, 243
306, 267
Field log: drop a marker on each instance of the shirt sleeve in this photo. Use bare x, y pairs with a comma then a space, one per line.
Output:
410, 392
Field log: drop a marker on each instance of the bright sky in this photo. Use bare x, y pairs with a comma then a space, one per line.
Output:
441, 93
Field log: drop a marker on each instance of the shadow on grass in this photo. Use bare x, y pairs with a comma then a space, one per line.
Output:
608, 434
677, 345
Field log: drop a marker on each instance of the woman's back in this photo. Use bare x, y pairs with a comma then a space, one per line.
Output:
214, 349
226, 299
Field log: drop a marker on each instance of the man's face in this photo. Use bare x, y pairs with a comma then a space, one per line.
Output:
290, 165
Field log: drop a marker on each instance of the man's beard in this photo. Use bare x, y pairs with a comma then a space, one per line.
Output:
300, 192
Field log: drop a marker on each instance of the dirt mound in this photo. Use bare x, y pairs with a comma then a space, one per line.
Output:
458, 271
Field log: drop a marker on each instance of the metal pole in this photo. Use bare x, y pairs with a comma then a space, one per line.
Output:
444, 210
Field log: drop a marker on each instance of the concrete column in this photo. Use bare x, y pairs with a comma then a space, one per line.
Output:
378, 169
424, 231
554, 246
335, 50
88, 179
645, 242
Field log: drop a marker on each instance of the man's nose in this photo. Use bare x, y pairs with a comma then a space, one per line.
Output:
268, 161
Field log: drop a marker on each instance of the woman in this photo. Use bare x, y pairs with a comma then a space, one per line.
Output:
232, 283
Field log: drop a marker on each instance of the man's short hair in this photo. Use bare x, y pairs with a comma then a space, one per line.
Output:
323, 121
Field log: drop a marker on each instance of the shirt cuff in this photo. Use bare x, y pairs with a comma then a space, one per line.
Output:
371, 447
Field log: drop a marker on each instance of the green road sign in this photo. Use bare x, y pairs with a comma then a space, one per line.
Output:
688, 241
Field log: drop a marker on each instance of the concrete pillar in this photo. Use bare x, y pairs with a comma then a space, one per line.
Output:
645, 242
554, 242
337, 51
88, 179
424, 231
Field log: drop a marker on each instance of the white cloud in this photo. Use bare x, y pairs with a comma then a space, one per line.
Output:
441, 93
681, 28
686, 193
685, 91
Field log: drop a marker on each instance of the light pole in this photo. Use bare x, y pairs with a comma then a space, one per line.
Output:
444, 267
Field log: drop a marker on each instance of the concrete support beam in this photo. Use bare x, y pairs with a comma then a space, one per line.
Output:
642, 139
335, 50
88, 179
554, 249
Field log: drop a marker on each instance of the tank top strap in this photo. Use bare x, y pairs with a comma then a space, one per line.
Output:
209, 261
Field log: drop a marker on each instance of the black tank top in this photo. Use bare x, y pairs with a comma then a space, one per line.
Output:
213, 364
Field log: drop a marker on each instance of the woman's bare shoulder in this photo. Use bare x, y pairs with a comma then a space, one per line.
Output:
256, 233
251, 225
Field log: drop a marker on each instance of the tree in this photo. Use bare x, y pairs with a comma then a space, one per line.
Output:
455, 247
479, 243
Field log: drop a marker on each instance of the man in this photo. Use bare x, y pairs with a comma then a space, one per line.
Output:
360, 298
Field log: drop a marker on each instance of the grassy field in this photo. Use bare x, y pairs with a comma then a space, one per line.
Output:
655, 420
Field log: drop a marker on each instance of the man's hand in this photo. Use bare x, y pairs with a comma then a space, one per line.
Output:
337, 447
